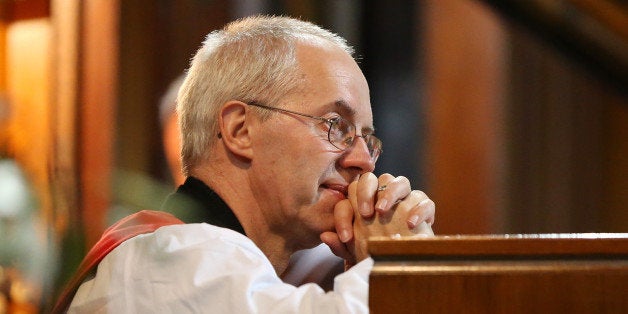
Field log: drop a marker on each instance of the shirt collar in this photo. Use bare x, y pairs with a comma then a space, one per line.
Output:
195, 202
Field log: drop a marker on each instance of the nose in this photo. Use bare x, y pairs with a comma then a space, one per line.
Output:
358, 157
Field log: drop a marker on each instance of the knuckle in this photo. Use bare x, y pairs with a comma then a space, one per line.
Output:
419, 194
386, 177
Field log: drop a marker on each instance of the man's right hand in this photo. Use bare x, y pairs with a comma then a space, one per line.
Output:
372, 210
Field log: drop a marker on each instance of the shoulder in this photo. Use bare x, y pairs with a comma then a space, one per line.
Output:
190, 239
182, 262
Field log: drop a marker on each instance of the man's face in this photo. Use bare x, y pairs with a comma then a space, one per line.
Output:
299, 174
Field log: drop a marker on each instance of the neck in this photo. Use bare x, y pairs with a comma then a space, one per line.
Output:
273, 248
233, 188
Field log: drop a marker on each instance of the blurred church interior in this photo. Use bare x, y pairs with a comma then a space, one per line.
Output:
512, 115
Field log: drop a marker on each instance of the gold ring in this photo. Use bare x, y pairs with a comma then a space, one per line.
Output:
382, 188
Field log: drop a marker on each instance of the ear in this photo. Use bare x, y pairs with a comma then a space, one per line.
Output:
235, 129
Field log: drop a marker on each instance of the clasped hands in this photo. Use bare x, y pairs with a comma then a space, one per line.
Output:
384, 206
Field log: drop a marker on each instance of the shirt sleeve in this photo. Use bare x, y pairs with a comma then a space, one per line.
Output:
199, 268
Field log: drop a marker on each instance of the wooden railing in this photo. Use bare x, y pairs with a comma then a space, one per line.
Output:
553, 273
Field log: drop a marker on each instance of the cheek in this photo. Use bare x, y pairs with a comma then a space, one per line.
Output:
301, 153
298, 157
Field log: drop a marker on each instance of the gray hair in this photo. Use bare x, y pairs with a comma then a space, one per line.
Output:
249, 59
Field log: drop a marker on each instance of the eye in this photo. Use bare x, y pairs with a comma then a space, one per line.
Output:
333, 121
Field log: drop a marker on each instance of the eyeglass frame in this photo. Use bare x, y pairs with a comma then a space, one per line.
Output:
331, 122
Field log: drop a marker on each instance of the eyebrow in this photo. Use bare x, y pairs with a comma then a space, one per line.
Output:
345, 109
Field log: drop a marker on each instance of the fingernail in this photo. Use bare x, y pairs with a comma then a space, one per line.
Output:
381, 204
344, 236
364, 210
413, 221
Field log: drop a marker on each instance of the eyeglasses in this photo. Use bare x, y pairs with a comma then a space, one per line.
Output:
341, 133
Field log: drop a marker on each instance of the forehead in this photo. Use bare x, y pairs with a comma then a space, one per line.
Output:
332, 81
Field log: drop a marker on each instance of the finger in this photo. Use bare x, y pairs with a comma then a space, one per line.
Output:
365, 193
384, 179
424, 229
422, 212
351, 193
343, 220
397, 188
412, 208
336, 246
382, 186
402, 209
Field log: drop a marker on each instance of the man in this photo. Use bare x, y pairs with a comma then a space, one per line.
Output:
278, 150
318, 265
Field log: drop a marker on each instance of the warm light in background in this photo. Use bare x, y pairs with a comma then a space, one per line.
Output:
26, 242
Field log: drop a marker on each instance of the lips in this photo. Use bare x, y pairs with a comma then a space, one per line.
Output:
336, 187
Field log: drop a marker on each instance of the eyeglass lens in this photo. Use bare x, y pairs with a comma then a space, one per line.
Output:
342, 134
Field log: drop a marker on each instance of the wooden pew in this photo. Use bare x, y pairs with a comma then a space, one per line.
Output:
542, 273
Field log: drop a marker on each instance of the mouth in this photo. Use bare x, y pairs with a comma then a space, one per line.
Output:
336, 188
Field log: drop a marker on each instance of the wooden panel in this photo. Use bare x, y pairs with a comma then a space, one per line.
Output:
3, 71
13, 10
464, 85
563, 144
63, 126
96, 111
157, 39
560, 273
594, 32
527, 246
503, 288
617, 217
